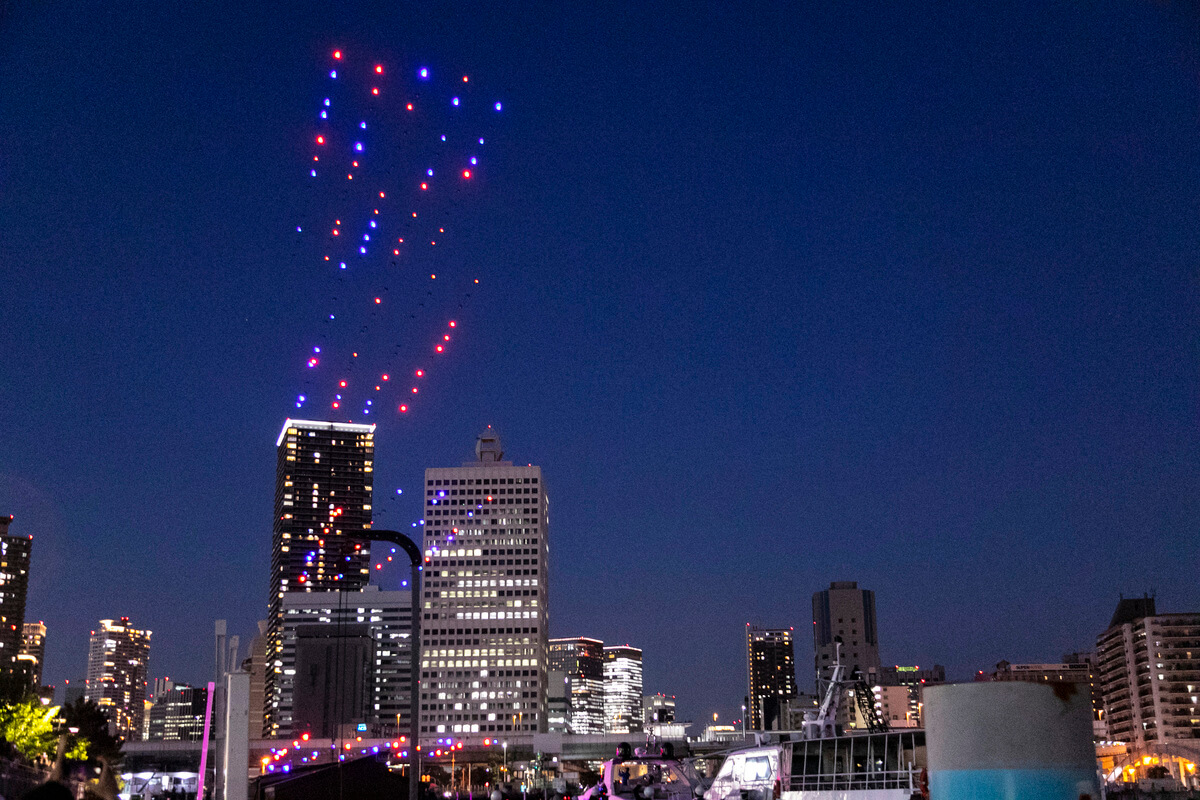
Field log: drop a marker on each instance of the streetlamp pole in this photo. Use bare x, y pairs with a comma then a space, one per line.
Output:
414, 555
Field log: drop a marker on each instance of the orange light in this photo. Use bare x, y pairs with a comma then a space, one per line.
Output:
453, 323
320, 140
378, 69
385, 377
342, 384
381, 194
374, 91
337, 54
466, 173
304, 737
377, 301
424, 186
403, 409
446, 337
464, 78
410, 106
420, 373
414, 390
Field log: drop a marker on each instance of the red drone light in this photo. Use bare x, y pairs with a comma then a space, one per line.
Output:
337, 54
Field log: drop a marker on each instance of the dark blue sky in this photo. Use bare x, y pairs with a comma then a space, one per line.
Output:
775, 295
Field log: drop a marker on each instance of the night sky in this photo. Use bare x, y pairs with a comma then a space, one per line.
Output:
775, 295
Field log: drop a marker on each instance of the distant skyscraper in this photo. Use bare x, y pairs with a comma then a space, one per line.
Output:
323, 499
771, 675
373, 623
33, 650
14, 583
116, 676
657, 709
1147, 665
485, 596
844, 611
581, 661
622, 689
177, 713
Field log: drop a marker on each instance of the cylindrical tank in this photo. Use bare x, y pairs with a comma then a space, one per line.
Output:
1010, 741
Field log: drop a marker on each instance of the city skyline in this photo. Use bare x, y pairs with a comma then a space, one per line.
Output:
774, 299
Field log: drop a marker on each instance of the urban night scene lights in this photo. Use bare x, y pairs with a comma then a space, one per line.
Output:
774, 298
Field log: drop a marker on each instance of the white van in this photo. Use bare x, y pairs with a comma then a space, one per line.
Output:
751, 774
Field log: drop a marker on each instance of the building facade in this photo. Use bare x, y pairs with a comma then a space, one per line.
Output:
323, 499
365, 638
771, 676
844, 613
484, 659
1149, 670
176, 712
14, 585
622, 689
914, 679
581, 660
33, 650
116, 675
657, 709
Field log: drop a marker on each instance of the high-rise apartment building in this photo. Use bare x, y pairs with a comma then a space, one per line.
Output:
14, 584
33, 650
323, 500
844, 613
367, 637
581, 660
622, 689
484, 600
116, 675
771, 676
1149, 669
913, 679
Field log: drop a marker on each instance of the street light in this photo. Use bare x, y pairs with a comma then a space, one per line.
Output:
744, 720
414, 555
504, 747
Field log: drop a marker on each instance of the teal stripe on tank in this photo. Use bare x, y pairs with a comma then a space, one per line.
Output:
1012, 784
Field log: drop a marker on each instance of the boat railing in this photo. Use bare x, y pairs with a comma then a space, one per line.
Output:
842, 781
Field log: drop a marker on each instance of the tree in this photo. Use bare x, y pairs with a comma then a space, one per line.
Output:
91, 729
28, 726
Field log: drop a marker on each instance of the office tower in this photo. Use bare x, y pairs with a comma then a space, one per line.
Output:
14, 583
484, 602
771, 676
658, 709
177, 712
346, 660
581, 660
846, 613
33, 650
622, 689
558, 702
323, 499
116, 675
1148, 665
